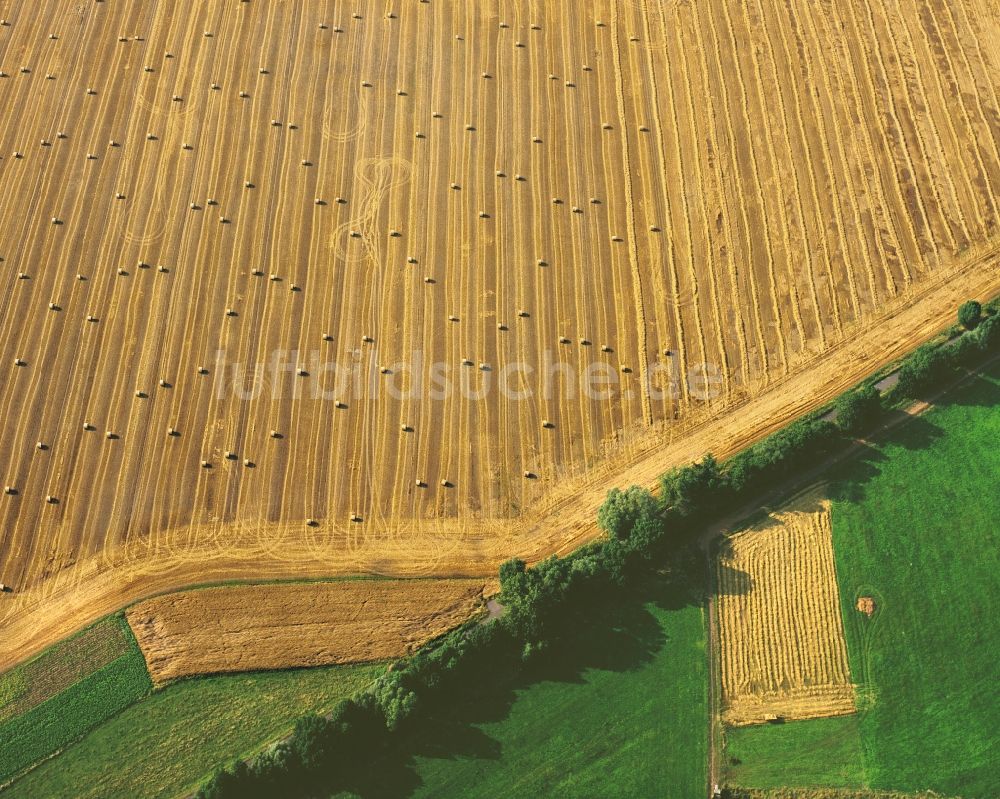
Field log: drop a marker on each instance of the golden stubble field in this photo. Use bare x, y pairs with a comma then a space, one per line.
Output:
782, 647
792, 193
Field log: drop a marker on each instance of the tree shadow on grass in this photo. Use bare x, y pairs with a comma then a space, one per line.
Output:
615, 631
916, 433
848, 481
908, 431
980, 391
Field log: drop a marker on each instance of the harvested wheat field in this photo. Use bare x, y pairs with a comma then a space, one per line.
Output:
782, 646
246, 248
282, 625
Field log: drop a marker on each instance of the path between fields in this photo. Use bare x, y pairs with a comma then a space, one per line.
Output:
464, 548
720, 528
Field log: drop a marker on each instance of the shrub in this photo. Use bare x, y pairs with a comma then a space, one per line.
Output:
271, 767
358, 726
620, 511
232, 782
770, 461
537, 599
513, 577
963, 350
646, 533
691, 489
969, 314
858, 410
613, 560
988, 333
921, 370
395, 696
533, 651
313, 742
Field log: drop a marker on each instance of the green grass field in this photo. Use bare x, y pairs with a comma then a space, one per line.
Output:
915, 524
166, 744
813, 753
619, 709
51, 703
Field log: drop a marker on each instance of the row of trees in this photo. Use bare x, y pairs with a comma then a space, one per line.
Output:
927, 365
333, 752
325, 754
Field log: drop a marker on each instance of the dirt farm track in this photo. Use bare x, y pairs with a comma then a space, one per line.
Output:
790, 192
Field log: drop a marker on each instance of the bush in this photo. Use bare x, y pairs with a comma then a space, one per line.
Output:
513, 580
313, 742
358, 726
988, 333
690, 490
921, 370
538, 599
272, 767
646, 534
858, 410
458, 660
965, 349
770, 461
232, 782
395, 696
969, 314
621, 509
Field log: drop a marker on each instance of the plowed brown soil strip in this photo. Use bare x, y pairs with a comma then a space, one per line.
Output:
270, 626
789, 192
